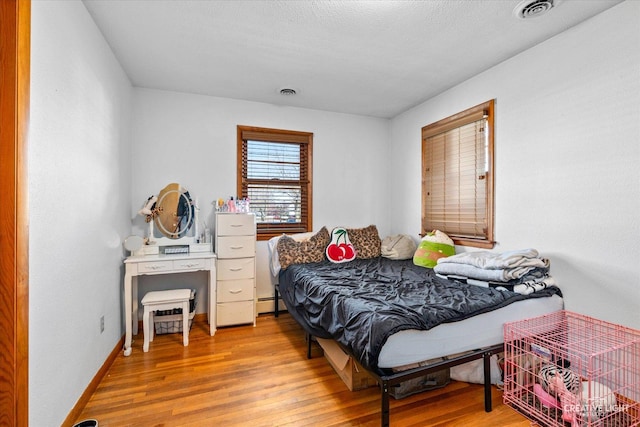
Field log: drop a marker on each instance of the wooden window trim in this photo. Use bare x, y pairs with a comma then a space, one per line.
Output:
284, 136
465, 117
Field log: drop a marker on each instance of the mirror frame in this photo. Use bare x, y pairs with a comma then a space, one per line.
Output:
168, 221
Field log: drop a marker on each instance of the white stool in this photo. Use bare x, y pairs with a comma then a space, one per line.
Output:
165, 300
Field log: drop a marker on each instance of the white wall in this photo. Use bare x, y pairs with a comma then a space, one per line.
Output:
577, 91
191, 139
567, 147
79, 175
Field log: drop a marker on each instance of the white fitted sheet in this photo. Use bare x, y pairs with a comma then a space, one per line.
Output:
412, 346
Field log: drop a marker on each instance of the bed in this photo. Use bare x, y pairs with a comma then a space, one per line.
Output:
391, 313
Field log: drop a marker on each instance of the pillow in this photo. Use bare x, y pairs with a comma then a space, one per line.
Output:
434, 245
366, 241
291, 251
272, 246
340, 249
400, 246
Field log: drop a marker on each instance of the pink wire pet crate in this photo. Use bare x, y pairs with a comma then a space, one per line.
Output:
569, 370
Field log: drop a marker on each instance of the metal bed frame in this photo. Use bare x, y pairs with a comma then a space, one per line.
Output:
387, 380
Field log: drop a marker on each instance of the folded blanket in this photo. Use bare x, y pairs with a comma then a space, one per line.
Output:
495, 275
496, 260
535, 275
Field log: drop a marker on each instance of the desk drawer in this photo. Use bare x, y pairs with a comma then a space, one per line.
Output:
189, 264
235, 290
236, 247
236, 225
232, 269
234, 313
155, 266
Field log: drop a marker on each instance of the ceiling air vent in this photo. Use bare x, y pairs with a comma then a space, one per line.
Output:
534, 8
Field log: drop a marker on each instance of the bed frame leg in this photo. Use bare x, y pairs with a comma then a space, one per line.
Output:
276, 308
384, 402
308, 346
486, 359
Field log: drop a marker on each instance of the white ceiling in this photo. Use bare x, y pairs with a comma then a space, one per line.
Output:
376, 58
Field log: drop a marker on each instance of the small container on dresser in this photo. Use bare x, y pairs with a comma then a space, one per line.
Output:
235, 247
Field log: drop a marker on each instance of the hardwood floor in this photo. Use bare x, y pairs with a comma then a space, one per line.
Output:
246, 376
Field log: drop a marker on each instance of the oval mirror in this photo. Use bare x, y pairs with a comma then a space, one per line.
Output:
175, 211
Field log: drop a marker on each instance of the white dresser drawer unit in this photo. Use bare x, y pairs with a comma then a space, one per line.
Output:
236, 268
235, 313
235, 225
235, 290
235, 247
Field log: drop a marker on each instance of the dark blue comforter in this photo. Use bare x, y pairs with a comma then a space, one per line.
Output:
363, 302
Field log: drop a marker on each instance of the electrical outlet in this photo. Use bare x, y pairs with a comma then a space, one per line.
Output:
101, 324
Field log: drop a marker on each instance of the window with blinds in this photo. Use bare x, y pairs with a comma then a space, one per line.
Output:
274, 173
457, 176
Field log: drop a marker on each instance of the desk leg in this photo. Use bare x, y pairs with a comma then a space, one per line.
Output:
211, 312
127, 314
134, 302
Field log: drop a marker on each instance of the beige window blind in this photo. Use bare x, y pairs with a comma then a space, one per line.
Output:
458, 177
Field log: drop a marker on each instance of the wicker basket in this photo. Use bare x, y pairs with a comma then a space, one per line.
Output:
170, 321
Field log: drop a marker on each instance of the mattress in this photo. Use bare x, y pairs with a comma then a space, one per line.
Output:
412, 346
362, 303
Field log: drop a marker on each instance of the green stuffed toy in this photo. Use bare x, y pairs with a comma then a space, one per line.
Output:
433, 246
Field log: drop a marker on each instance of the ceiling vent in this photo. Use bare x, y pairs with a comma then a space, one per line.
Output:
533, 8
287, 91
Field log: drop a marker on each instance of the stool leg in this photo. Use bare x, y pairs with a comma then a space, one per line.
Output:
152, 325
145, 329
185, 323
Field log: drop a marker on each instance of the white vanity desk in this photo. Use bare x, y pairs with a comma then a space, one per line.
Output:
164, 264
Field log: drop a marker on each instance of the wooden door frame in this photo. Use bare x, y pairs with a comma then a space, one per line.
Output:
15, 41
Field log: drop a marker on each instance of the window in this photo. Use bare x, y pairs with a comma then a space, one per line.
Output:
274, 172
457, 176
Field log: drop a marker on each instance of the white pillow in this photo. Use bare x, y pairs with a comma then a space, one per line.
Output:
272, 244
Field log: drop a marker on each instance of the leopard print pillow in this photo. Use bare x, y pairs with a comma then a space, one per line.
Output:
291, 251
366, 241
